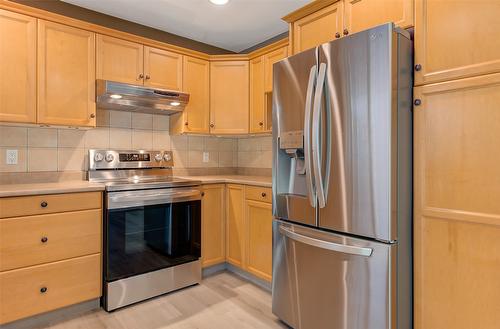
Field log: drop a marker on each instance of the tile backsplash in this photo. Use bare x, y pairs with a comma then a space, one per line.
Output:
65, 149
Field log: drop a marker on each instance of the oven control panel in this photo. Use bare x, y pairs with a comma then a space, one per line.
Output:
140, 159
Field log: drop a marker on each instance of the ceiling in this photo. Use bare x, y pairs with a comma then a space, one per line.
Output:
236, 26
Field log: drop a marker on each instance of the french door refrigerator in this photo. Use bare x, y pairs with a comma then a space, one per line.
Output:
342, 182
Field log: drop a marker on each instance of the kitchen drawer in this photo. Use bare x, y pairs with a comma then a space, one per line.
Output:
32, 240
256, 193
46, 204
65, 283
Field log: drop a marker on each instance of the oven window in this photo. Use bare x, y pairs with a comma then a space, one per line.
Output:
149, 238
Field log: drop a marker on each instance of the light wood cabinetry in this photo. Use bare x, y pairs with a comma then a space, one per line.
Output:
235, 225
457, 211
259, 229
66, 75
50, 252
162, 69
17, 67
229, 97
196, 82
456, 40
269, 60
257, 97
119, 60
213, 225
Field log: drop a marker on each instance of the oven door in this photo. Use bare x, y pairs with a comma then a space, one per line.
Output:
148, 230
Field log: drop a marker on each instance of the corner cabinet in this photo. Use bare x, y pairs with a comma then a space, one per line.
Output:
18, 63
235, 225
213, 225
66, 75
229, 97
456, 204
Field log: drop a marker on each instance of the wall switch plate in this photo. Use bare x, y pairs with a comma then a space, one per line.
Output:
205, 157
11, 157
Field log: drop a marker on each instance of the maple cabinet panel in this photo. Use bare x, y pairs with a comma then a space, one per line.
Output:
162, 69
259, 231
213, 225
257, 105
235, 225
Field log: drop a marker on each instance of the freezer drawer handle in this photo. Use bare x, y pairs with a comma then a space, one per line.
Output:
359, 251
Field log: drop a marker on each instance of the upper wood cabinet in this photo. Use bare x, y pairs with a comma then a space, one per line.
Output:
162, 69
235, 225
456, 204
269, 60
364, 14
119, 60
257, 106
196, 82
229, 97
213, 225
318, 27
259, 229
456, 40
17, 67
66, 75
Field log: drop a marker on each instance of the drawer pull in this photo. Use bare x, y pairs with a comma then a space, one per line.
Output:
202, 193
44, 204
43, 290
44, 239
263, 194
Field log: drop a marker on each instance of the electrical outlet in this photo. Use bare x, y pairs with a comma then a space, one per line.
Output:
11, 157
205, 157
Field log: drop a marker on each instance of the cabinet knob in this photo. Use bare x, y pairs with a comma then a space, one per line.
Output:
263, 194
186, 123
141, 76
337, 35
346, 32
43, 290
92, 115
202, 193
418, 67
148, 77
261, 123
212, 125
44, 239
44, 204
417, 102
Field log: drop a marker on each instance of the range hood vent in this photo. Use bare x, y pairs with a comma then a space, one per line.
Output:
125, 97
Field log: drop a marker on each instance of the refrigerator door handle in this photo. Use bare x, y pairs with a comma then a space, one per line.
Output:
307, 137
342, 248
316, 139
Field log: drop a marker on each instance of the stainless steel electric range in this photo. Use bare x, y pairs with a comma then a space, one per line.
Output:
152, 225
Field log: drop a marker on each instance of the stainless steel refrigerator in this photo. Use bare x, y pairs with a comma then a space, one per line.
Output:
342, 182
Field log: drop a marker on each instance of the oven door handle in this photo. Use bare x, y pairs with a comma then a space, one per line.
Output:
130, 199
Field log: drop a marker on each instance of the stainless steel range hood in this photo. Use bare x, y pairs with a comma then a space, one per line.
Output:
125, 97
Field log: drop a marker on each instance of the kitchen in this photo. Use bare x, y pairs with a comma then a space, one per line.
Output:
210, 163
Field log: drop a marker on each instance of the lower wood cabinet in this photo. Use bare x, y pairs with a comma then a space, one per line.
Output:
213, 225
259, 236
235, 225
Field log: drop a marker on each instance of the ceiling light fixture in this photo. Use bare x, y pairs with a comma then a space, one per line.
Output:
115, 96
219, 2
175, 103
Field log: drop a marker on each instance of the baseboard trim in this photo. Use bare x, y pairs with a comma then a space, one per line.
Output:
211, 270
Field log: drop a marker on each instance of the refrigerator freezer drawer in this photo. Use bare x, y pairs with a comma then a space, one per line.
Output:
324, 280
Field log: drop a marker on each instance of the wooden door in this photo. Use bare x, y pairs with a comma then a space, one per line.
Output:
229, 97
364, 14
119, 60
259, 228
457, 204
17, 67
456, 39
66, 75
196, 81
269, 60
162, 69
318, 27
235, 225
257, 105
213, 225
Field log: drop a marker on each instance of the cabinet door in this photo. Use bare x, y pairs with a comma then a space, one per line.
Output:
196, 76
318, 27
257, 95
162, 69
119, 60
269, 60
364, 14
235, 225
456, 39
212, 232
17, 67
229, 97
457, 205
66, 75
259, 239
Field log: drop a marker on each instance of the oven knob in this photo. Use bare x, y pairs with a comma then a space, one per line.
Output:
167, 157
158, 157
98, 157
109, 157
